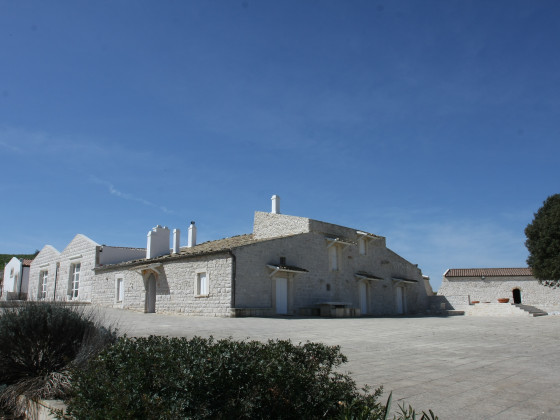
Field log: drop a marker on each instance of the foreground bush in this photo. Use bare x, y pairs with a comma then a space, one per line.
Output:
39, 343
175, 378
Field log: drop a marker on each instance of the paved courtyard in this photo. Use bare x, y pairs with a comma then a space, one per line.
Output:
460, 367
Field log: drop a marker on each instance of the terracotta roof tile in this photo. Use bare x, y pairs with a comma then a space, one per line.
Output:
488, 272
210, 247
27, 263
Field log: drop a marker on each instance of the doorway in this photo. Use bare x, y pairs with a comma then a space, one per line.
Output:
281, 295
363, 298
516, 296
400, 300
150, 304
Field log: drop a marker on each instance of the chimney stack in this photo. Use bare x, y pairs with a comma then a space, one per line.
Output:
176, 240
275, 204
158, 242
192, 235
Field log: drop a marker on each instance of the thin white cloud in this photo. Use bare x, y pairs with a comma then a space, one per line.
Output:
10, 147
117, 193
19, 140
60, 147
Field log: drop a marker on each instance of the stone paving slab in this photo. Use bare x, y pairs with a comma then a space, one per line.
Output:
460, 367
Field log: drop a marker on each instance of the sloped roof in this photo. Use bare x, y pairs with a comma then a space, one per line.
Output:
210, 247
488, 272
27, 263
220, 245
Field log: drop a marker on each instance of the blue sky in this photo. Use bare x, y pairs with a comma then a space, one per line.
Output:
433, 123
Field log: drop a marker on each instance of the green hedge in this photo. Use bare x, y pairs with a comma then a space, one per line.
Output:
174, 378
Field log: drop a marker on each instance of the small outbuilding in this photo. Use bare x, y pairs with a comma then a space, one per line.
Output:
464, 286
16, 279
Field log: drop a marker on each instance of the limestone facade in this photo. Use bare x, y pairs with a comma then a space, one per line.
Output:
43, 269
175, 285
68, 275
288, 265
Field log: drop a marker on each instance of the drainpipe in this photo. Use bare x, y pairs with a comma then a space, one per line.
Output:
233, 270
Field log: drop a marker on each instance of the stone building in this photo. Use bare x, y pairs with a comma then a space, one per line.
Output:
461, 287
68, 275
16, 279
288, 265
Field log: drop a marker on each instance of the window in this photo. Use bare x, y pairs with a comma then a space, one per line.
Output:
362, 246
43, 279
333, 257
201, 284
119, 293
75, 280
12, 273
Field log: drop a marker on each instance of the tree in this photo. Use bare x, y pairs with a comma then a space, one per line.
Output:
543, 242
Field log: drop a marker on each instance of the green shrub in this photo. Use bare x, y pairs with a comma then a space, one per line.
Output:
39, 342
174, 378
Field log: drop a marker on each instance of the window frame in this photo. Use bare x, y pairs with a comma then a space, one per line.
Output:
199, 292
75, 270
43, 283
119, 289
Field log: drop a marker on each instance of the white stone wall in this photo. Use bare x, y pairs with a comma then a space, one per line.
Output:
16, 280
44, 261
80, 250
12, 270
492, 288
175, 286
254, 288
271, 225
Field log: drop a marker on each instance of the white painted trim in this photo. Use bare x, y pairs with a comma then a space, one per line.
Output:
75, 257
196, 291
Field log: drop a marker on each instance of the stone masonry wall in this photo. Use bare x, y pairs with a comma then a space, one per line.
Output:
492, 288
254, 288
271, 225
175, 286
80, 250
44, 261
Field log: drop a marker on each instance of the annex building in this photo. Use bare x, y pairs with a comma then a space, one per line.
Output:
462, 287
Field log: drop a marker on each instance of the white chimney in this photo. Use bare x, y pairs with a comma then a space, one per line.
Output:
275, 204
176, 240
158, 242
192, 235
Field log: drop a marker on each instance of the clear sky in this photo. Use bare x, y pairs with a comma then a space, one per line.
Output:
433, 123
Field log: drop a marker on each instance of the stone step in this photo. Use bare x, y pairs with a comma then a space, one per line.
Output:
532, 310
495, 309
